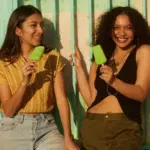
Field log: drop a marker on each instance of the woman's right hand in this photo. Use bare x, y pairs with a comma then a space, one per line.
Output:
27, 71
78, 59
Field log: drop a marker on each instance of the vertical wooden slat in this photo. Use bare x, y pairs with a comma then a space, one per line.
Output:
54, 19
2, 24
73, 24
5, 12
109, 2
72, 7
34, 3
127, 2
15, 4
144, 8
90, 16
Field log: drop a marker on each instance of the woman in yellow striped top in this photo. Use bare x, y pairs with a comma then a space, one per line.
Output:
27, 88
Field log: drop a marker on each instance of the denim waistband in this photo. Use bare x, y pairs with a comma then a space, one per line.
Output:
40, 116
30, 116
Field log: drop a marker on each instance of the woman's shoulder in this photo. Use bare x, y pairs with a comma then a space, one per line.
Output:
143, 52
3, 63
53, 52
145, 48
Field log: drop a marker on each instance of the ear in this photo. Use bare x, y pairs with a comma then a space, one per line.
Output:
18, 31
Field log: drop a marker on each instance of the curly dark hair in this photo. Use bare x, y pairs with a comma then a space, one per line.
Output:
11, 48
105, 25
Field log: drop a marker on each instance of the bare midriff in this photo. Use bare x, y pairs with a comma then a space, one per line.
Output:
108, 105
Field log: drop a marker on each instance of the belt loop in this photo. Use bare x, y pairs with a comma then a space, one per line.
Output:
43, 116
20, 118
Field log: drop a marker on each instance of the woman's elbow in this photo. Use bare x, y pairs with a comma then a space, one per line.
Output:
8, 113
140, 93
142, 96
140, 99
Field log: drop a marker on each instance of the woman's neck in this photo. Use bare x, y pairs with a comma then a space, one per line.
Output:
123, 51
26, 50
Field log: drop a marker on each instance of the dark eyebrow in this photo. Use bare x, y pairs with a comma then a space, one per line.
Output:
130, 24
125, 25
36, 22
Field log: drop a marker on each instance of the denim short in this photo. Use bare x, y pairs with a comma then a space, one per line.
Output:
30, 132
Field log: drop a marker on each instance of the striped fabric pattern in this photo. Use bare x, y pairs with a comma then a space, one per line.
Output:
39, 96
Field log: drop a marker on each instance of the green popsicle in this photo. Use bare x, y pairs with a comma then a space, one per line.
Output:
36, 53
99, 55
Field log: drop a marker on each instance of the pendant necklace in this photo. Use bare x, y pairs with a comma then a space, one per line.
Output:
114, 64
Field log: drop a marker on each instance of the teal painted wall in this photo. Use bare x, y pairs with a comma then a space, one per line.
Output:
46, 5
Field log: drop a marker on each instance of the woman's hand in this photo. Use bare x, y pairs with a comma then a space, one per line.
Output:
70, 145
78, 59
107, 74
27, 70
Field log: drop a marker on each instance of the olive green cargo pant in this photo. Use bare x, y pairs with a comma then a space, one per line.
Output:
110, 132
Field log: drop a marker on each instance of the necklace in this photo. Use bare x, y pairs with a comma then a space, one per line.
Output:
117, 63
114, 64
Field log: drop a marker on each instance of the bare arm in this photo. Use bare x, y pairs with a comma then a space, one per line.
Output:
85, 84
12, 103
86, 87
64, 111
62, 103
139, 90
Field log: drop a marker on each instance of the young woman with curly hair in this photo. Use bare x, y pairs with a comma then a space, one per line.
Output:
115, 91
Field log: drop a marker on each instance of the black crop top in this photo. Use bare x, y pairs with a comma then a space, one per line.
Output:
130, 107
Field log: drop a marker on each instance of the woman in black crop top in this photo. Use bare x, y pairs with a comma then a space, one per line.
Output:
116, 89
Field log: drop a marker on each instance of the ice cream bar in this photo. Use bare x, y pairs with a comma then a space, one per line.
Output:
37, 53
99, 55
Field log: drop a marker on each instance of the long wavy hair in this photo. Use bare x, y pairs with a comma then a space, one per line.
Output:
104, 28
11, 47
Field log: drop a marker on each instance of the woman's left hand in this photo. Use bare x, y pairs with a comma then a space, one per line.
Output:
70, 145
107, 74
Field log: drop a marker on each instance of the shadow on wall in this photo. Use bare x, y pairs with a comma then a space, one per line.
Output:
52, 39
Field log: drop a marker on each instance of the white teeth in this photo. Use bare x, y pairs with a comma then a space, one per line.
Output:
37, 37
122, 39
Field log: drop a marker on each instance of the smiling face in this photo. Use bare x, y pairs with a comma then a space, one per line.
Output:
31, 31
123, 34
